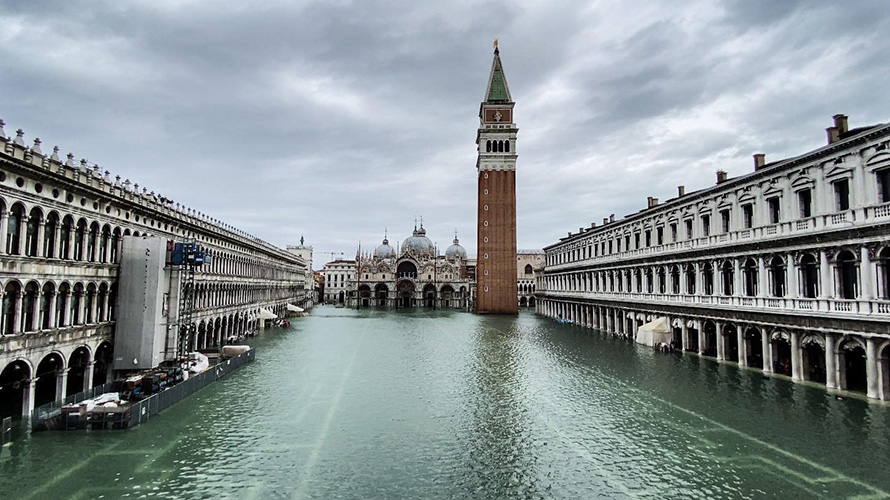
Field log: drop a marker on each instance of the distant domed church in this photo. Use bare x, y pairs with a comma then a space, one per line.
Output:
415, 275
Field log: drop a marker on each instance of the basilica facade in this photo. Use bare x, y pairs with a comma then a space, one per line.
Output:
413, 275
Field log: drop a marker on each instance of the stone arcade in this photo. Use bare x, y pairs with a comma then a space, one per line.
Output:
785, 269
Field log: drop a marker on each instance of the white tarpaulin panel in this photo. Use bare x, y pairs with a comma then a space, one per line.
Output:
657, 330
267, 314
293, 308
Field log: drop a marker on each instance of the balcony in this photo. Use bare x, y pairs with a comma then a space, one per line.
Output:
846, 307
859, 216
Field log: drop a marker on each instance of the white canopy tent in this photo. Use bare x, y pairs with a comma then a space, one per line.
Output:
267, 314
657, 330
293, 308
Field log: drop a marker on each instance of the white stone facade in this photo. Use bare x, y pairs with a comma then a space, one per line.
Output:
61, 227
529, 263
337, 276
785, 269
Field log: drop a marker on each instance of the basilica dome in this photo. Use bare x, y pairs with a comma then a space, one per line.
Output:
418, 243
456, 251
384, 251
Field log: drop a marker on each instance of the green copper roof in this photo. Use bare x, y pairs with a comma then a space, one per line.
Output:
497, 82
498, 89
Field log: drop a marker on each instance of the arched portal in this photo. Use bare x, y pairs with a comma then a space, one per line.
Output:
47, 375
381, 291
782, 362
14, 380
364, 294
406, 293
813, 358
102, 364
429, 296
447, 296
754, 348
851, 354
731, 339
78, 364
710, 347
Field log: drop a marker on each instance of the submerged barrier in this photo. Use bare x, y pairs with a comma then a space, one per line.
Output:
49, 416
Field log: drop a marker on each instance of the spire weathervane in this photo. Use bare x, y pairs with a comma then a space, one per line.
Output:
495, 43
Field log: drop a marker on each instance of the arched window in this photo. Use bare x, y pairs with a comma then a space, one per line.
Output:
46, 300
847, 275
488, 146
675, 279
690, 279
528, 269
49, 235
506, 146
884, 272
104, 241
91, 242
726, 273
14, 229
80, 234
29, 305
708, 279
32, 246
777, 276
809, 276
76, 314
750, 271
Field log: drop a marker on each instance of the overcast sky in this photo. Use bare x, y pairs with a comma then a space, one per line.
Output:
334, 120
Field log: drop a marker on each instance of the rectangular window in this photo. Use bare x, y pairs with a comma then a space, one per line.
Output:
648, 237
842, 195
724, 217
805, 201
688, 229
659, 235
627, 242
705, 225
774, 210
883, 177
637, 240
748, 216
673, 233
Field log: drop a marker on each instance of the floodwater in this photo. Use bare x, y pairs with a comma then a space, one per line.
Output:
436, 404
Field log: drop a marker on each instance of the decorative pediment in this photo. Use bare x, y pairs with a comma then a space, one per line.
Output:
724, 205
772, 191
879, 160
838, 171
746, 198
802, 182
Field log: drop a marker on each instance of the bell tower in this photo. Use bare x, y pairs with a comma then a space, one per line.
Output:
496, 222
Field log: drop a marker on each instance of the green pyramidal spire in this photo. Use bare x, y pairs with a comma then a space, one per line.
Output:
498, 91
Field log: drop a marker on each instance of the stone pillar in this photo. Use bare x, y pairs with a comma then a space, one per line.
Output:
743, 349
57, 239
791, 289
51, 306
88, 376
4, 226
684, 335
35, 313
701, 337
866, 272
831, 361
721, 344
66, 311
17, 312
41, 230
738, 282
95, 238
23, 233
762, 277
871, 368
767, 351
796, 357
826, 289
28, 394
61, 385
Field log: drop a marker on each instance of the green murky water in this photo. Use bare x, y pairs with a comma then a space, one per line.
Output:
433, 404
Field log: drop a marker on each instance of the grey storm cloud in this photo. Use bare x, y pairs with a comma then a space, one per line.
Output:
336, 120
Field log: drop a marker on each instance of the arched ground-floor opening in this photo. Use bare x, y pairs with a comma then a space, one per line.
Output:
47, 375
781, 361
677, 337
813, 359
884, 371
692, 339
406, 294
341, 297
447, 296
523, 302
710, 347
731, 343
14, 380
754, 348
429, 296
78, 364
103, 363
852, 366
531, 301
380, 293
364, 295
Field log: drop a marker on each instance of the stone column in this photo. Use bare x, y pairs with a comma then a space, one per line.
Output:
866, 272
61, 385
796, 357
826, 288
871, 368
88, 376
791, 288
701, 337
743, 349
41, 230
831, 361
95, 239
767, 351
57, 239
17, 312
23, 232
721, 344
684, 335
762, 277
35, 313
738, 288
28, 394
51, 306
4, 226
66, 311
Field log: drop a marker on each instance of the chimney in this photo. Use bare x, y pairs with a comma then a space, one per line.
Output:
721, 176
759, 161
833, 134
652, 201
605, 220
840, 123
612, 218
580, 230
681, 191
592, 225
